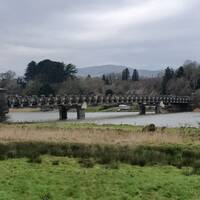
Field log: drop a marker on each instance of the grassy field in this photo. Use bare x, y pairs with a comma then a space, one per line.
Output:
67, 179
60, 160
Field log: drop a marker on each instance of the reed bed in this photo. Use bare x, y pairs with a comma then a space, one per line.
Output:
105, 144
91, 136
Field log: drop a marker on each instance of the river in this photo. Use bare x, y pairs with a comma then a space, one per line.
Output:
187, 119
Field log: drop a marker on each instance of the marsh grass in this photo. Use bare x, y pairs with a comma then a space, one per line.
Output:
103, 144
94, 135
176, 155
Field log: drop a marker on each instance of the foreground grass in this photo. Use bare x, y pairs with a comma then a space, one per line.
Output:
20, 179
102, 148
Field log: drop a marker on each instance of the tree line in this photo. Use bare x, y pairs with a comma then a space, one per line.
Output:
50, 77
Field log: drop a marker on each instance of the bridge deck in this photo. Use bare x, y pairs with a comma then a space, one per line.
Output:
69, 100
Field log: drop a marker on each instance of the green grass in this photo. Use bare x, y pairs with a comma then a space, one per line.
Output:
99, 171
21, 180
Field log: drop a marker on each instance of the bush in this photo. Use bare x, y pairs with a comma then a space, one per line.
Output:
55, 162
35, 158
187, 171
149, 128
112, 165
196, 167
12, 154
46, 197
87, 162
176, 155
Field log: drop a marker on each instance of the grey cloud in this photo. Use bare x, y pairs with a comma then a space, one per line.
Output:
140, 33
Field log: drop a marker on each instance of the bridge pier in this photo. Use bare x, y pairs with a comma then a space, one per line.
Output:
62, 113
64, 109
158, 109
142, 109
80, 113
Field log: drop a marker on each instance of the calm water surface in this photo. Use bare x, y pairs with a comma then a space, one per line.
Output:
189, 119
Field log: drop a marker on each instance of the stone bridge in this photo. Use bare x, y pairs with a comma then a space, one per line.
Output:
80, 102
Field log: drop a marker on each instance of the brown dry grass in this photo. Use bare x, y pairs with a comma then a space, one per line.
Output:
90, 136
24, 110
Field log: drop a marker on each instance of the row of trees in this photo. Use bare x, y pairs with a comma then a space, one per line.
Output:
50, 77
126, 75
50, 71
183, 81
44, 77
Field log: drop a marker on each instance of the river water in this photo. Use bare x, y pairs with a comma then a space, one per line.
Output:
187, 119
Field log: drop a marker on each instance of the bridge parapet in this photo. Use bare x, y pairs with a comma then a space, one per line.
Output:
34, 101
66, 102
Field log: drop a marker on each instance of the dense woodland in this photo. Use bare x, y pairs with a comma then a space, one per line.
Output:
56, 78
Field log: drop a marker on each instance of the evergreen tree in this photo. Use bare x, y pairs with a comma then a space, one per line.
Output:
125, 74
104, 77
70, 71
31, 71
88, 77
50, 71
180, 72
135, 76
169, 74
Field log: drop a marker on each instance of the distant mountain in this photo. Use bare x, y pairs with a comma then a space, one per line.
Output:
97, 71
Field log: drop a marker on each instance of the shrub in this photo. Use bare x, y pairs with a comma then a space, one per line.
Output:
177, 155
187, 171
55, 162
3, 157
46, 197
163, 128
196, 167
149, 128
87, 162
112, 165
12, 154
35, 158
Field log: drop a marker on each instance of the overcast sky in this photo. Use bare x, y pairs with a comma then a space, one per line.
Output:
147, 34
